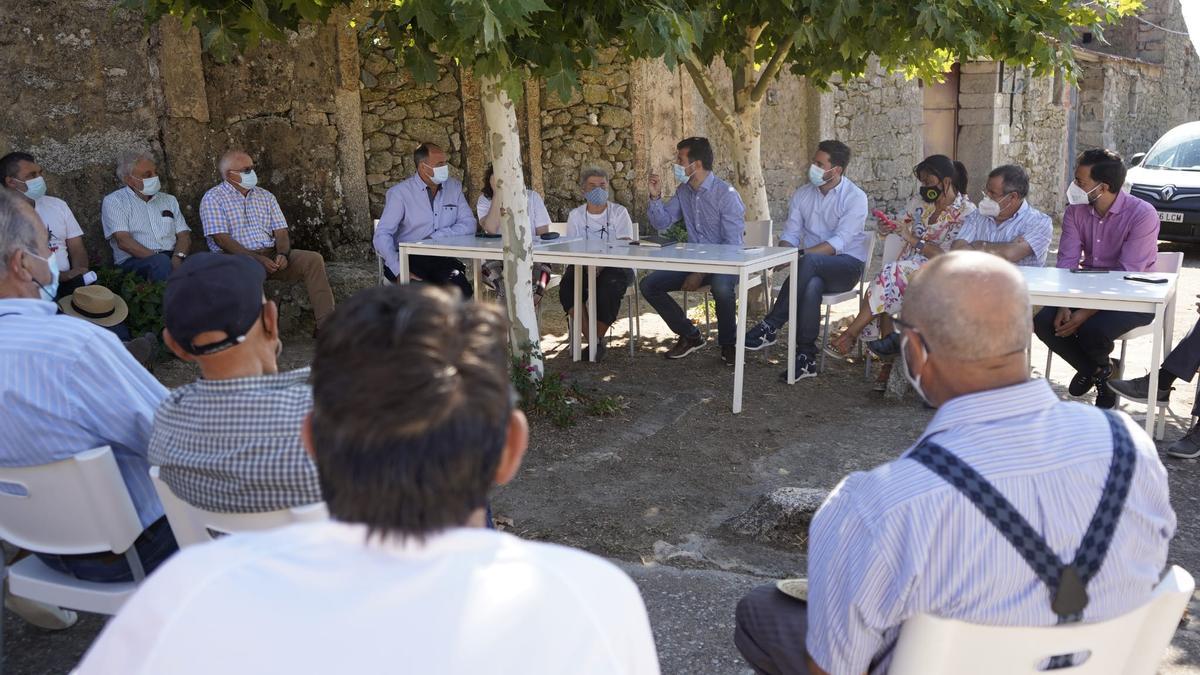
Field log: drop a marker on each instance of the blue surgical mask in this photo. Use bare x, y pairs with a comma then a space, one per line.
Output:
680, 172
150, 186
51, 289
35, 188
597, 196
816, 175
249, 179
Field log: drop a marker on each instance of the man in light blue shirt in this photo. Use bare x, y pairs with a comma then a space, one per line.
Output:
826, 219
69, 386
901, 540
427, 205
1005, 224
712, 211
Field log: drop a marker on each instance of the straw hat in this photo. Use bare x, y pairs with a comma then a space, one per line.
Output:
96, 304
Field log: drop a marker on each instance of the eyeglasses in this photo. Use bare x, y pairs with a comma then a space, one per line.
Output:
904, 325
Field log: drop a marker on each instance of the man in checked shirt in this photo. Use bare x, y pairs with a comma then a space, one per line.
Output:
230, 442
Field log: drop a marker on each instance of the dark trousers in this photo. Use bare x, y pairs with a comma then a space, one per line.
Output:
1089, 347
770, 631
152, 268
1184, 360
154, 545
657, 287
437, 270
611, 283
818, 275
66, 288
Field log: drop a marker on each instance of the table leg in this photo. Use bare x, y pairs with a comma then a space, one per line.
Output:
578, 311
1152, 406
591, 303
402, 277
794, 271
477, 275
739, 367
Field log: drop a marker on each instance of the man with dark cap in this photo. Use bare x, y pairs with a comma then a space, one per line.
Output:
230, 442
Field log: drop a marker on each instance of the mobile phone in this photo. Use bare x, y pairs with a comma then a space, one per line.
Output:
1145, 280
487, 235
549, 235
1087, 270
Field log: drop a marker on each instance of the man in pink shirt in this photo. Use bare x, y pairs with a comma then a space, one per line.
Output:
1103, 229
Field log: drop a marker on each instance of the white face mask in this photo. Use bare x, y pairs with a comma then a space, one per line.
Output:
249, 179
35, 188
914, 380
1077, 195
150, 186
989, 207
440, 174
816, 175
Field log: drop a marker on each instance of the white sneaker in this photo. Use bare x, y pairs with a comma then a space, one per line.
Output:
40, 614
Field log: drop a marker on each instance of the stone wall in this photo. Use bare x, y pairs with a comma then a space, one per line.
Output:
1036, 138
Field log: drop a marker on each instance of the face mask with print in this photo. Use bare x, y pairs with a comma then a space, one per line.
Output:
248, 179
680, 172
915, 381
988, 207
816, 175
597, 196
930, 193
150, 186
50, 290
440, 174
35, 188
1077, 195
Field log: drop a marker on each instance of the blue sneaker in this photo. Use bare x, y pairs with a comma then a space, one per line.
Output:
806, 366
762, 335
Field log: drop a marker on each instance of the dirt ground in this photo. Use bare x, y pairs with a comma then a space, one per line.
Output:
652, 486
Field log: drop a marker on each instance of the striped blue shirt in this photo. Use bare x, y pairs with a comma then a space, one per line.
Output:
1032, 225
67, 386
899, 541
712, 213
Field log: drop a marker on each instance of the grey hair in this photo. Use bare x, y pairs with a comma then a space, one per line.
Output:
18, 227
591, 171
227, 159
1015, 179
128, 159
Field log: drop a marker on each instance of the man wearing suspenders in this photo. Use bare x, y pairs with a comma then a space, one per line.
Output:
1013, 507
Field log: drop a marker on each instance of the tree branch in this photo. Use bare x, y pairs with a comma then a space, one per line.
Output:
772, 68
708, 93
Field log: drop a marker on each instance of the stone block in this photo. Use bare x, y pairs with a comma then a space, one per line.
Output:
781, 516
447, 84
982, 83
394, 114
982, 101
974, 67
595, 93
378, 142
379, 163
976, 116
424, 130
614, 117
588, 130
371, 123
551, 101
446, 104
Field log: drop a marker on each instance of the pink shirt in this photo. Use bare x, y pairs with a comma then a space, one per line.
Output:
1126, 238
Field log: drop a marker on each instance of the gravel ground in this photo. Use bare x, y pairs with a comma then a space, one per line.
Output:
651, 486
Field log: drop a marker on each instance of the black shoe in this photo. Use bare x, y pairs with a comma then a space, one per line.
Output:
686, 345
1138, 389
885, 347
806, 366
1105, 398
1187, 447
762, 335
601, 350
729, 355
1081, 384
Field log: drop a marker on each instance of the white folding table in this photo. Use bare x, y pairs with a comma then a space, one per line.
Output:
1055, 287
706, 258
740, 261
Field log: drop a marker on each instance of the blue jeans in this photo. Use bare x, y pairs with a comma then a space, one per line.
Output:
656, 288
818, 275
154, 545
153, 268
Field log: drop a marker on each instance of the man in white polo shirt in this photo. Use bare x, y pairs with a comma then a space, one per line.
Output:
404, 577
142, 223
20, 172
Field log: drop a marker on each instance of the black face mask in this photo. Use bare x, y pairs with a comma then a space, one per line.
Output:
931, 193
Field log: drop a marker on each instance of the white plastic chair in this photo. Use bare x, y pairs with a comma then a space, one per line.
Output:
1132, 644
893, 244
70, 507
1167, 261
756, 233
830, 299
193, 525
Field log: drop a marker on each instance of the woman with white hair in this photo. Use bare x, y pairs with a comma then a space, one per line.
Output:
598, 218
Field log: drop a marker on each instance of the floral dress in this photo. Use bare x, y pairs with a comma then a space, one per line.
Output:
886, 293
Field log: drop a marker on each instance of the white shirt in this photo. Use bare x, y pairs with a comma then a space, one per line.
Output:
317, 598
538, 215
838, 218
62, 225
152, 223
612, 223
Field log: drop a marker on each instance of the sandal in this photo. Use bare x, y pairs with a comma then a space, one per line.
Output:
840, 346
885, 374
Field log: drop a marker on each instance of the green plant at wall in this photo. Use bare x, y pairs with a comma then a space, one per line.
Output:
143, 297
553, 397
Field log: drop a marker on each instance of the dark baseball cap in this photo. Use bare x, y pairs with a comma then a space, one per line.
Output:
213, 292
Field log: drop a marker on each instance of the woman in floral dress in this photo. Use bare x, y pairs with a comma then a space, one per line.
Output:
930, 226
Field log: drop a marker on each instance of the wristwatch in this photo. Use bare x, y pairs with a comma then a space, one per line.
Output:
180, 254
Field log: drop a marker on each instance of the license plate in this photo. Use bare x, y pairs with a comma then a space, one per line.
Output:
1170, 217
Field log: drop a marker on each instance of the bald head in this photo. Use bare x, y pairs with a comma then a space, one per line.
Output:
970, 306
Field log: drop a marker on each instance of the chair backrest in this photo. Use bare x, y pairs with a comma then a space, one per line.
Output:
872, 238
1131, 644
560, 228
73, 506
193, 525
892, 245
758, 232
1169, 261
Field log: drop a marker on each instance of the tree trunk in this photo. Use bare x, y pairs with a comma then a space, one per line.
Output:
505, 149
747, 163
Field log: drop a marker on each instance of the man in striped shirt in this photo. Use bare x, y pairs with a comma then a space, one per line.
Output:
901, 540
142, 223
240, 217
69, 386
